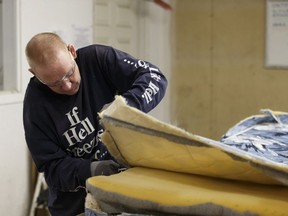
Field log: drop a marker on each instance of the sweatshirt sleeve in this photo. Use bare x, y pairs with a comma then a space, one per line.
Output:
140, 82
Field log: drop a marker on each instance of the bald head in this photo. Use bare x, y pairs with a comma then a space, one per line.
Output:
43, 50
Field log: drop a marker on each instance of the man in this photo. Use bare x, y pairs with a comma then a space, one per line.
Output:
61, 103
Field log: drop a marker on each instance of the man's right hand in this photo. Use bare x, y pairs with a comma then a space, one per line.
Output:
105, 167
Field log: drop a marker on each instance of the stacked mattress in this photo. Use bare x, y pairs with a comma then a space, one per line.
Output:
173, 172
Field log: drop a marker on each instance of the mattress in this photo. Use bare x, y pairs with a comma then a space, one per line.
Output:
155, 151
150, 191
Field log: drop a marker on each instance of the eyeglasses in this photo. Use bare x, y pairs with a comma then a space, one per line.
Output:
58, 82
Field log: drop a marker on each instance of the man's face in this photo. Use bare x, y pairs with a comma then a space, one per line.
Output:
63, 77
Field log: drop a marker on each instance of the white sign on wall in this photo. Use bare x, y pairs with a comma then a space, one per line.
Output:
277, 33
78, 35
71, 19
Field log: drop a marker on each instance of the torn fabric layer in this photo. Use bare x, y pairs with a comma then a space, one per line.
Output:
264, 135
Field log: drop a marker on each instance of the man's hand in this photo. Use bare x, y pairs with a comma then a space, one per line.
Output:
105, 106
105, 167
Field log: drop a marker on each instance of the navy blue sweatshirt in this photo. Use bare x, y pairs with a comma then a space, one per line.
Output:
62, 132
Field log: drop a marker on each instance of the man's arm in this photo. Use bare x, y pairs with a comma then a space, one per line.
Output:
140, 82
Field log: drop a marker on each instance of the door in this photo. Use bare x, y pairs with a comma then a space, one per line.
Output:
115, 24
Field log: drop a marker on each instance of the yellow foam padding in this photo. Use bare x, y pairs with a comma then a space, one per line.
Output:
150, 190
139, 140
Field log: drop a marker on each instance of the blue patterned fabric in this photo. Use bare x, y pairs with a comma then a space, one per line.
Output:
264, 135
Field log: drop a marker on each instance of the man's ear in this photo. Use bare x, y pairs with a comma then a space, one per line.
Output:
31, 71
72, 50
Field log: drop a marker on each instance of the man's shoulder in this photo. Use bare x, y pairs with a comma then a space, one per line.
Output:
93, 48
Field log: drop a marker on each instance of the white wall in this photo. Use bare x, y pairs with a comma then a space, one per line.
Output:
14, 164
1, 49
70, 18
14, 184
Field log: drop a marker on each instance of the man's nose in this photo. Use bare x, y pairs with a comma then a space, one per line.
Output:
66, 84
